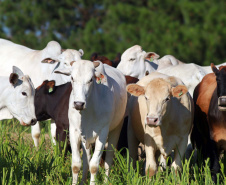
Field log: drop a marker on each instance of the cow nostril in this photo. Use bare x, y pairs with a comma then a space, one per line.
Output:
79, 105
33, 121
156, 119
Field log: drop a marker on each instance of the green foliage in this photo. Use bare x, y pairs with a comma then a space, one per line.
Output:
21, 163
193, 31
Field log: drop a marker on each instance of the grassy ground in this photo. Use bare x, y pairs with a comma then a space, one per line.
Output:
21, 163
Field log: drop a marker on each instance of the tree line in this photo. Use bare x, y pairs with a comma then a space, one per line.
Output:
191, 30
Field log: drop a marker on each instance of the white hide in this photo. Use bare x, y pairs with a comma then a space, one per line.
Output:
17, 100
65, 59
190, 74
133, 62
209, 70
101, 119
137, 63
29, 61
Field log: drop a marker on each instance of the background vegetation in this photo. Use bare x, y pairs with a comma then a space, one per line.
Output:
192, 30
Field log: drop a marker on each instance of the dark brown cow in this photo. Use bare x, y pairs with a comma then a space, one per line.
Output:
105, 60
52, 102
209, 131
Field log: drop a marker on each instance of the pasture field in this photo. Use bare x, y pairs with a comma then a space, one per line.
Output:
21, 163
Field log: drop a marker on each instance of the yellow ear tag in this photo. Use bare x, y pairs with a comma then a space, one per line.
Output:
50, 89
180, 94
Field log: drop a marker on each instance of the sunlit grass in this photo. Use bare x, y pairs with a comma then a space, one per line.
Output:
21, 163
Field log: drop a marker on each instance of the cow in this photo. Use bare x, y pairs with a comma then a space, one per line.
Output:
105, 60
160, 117
191, 74
209, 133
52, 102
32, 62
96, 110
17, 98
137, 63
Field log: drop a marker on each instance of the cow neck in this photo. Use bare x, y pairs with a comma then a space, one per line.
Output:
5, 90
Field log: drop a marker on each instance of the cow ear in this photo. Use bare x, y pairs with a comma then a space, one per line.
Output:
64, 71
49, 61
81, 52
100, 78
214, 69
13, 78
135, 90
179, 91
50, 86
151, 56
18, 71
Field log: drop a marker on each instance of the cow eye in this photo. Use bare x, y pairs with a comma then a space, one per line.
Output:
24, 93
132, 59
72, 79
167, 99
90, 80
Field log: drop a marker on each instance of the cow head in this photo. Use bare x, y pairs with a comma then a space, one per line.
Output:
158, 94
41, 93
135, 62
20, 100
221, 85
83, 77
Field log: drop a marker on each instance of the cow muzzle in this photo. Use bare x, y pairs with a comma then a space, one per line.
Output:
152, 121
222, 103
32, 122
79, 105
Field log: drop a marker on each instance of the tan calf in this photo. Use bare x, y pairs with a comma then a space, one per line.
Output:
160, 117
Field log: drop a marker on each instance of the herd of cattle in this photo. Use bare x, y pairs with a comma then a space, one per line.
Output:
90, 99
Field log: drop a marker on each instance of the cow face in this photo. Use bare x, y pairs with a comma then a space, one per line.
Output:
41, 94
70, 55
83, 78
221, 86
158, 94
135, 62
20, 100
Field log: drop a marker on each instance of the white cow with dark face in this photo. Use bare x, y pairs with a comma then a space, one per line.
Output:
17, 97
32, 62
137, 63
96, 111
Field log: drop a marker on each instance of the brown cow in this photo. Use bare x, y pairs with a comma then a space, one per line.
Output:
105, 60
209, 131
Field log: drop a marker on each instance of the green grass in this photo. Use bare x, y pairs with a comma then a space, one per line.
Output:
21, 163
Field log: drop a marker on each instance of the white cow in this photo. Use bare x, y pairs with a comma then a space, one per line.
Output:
96, 111
17, 97
29, 61
137, 63
190, 74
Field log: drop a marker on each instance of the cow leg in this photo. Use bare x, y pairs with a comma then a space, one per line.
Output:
113, 137
35, 133
132, 144
86, 159
75, 137
53, 131
99, 147
179, 152
214, 159
151, 165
